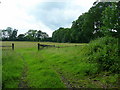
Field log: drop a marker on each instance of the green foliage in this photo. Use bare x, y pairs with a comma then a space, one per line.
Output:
110, 18
101, 20
104, 52
61, 35
9, 34
21, 37
32, 35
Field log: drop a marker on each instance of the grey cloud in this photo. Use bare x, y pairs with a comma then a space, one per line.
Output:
51, 5
54, 14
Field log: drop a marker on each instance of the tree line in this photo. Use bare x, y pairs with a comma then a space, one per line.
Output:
102, 19
10, 34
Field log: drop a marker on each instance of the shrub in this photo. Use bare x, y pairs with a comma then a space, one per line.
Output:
104, 52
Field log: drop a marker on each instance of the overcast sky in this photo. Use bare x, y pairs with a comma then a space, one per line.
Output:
45, 15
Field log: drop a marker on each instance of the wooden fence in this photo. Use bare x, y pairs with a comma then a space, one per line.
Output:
12, 46
40, 46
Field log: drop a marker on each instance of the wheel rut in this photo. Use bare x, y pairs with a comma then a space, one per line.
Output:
65, 81
23, 82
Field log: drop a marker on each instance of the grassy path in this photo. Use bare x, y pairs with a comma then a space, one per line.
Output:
51, 68
26, 67
23, 82
43, 65
45, 77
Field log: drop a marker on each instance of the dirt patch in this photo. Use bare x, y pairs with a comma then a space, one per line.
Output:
23, 82
65, 81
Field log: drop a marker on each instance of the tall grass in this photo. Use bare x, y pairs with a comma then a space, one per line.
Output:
12, 66
39, 74
93, 65
81, 65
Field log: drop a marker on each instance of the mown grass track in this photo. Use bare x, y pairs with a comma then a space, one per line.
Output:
27, 55
51, 68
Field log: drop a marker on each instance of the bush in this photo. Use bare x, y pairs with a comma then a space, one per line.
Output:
104, 52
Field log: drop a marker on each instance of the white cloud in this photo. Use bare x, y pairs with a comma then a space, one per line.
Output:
17, 16
15, 13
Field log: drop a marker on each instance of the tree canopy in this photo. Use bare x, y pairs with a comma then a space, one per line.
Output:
102, 19
10, 34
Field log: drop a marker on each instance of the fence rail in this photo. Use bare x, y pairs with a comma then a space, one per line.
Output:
12, 46
5, 46
40, 46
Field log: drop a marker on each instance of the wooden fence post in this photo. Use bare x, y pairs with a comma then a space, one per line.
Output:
38, 46
12, 46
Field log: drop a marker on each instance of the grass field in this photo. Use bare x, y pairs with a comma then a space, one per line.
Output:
65, 67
